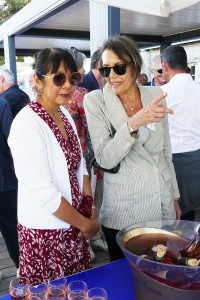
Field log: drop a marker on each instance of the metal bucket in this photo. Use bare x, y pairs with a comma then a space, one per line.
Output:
158, 281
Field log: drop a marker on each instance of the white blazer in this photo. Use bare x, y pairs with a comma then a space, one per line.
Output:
41, 170
145, 186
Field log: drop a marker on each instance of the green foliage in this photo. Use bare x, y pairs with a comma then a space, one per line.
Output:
9, 7
19, 58
2, 60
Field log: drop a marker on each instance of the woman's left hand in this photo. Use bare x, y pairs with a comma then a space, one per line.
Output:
177, 209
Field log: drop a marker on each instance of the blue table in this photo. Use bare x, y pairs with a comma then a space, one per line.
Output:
114, 277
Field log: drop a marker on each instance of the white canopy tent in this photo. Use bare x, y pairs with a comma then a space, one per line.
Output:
160, 8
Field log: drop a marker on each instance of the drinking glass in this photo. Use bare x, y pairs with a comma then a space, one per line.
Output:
77, 288
55, 293
97, 293
77, 296
19, 288
38, 290
58, 282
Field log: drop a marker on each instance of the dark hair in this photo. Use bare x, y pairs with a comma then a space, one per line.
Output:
126, 49
175, 57
95, 58
49, 60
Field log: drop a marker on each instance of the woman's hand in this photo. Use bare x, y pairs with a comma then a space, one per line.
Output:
152, 112
91, 227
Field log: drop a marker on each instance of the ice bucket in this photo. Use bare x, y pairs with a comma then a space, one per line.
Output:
158, 281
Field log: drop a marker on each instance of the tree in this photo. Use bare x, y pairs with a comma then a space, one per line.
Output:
9, 7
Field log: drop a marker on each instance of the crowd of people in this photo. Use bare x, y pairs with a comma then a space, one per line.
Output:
48, 215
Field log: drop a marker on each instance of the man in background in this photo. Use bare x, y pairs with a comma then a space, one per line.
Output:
16, 98
183, 97
8, 186
142, 79
93, 79
157, 72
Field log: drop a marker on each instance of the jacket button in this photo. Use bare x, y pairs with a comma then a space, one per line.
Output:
155, 169
134, 170
126, 146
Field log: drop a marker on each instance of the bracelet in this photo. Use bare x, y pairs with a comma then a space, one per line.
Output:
94, 207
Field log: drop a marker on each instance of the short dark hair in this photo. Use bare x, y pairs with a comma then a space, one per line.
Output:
175, 57
95, 58
49, 59
126, 49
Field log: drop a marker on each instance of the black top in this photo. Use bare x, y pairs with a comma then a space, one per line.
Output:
8, 180
16, 98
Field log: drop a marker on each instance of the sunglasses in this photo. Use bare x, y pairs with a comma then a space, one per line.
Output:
60, 78
160, 71
118, 69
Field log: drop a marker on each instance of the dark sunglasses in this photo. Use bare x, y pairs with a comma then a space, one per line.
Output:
60, 78
160, 71
118, 69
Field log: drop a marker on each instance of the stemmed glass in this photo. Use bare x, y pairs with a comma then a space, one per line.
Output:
55, 293
38, 290
97, 293
19, 288
57, 282
77, 290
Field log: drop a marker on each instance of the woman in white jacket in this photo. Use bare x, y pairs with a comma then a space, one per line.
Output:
55, 212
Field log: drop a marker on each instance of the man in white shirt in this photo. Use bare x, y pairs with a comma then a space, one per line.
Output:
183, 97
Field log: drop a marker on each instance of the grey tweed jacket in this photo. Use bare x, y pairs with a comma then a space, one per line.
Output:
145, 186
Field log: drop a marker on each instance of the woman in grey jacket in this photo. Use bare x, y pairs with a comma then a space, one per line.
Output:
145, 187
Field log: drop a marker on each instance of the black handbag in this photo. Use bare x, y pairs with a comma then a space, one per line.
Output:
90, 158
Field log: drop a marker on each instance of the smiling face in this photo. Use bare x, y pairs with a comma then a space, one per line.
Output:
121, 84
52, 95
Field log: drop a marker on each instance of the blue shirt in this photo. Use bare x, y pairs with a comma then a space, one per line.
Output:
89, 82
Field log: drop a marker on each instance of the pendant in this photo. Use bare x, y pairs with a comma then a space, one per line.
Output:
132, 108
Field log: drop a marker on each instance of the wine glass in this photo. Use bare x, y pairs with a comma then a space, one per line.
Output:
97, 293
19, 288
55, 293
38, 290
77, 289
58, 282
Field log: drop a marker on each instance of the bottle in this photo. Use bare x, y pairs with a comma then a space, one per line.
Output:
187, 261
167, 256
193, 247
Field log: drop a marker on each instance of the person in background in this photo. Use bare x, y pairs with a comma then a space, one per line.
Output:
55, 212
21, 83
8, 186
93, 79
142, 79
145, 187
16, 98
31, 89
76, 109
183, 96
156, 70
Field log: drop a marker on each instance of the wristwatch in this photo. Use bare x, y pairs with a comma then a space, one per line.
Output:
131, 130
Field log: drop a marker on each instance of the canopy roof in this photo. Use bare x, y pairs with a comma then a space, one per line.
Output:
65, 23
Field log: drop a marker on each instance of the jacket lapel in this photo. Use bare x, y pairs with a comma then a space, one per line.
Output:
117, 116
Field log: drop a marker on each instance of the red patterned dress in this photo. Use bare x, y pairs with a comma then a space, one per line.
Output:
49, 252
76, 109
